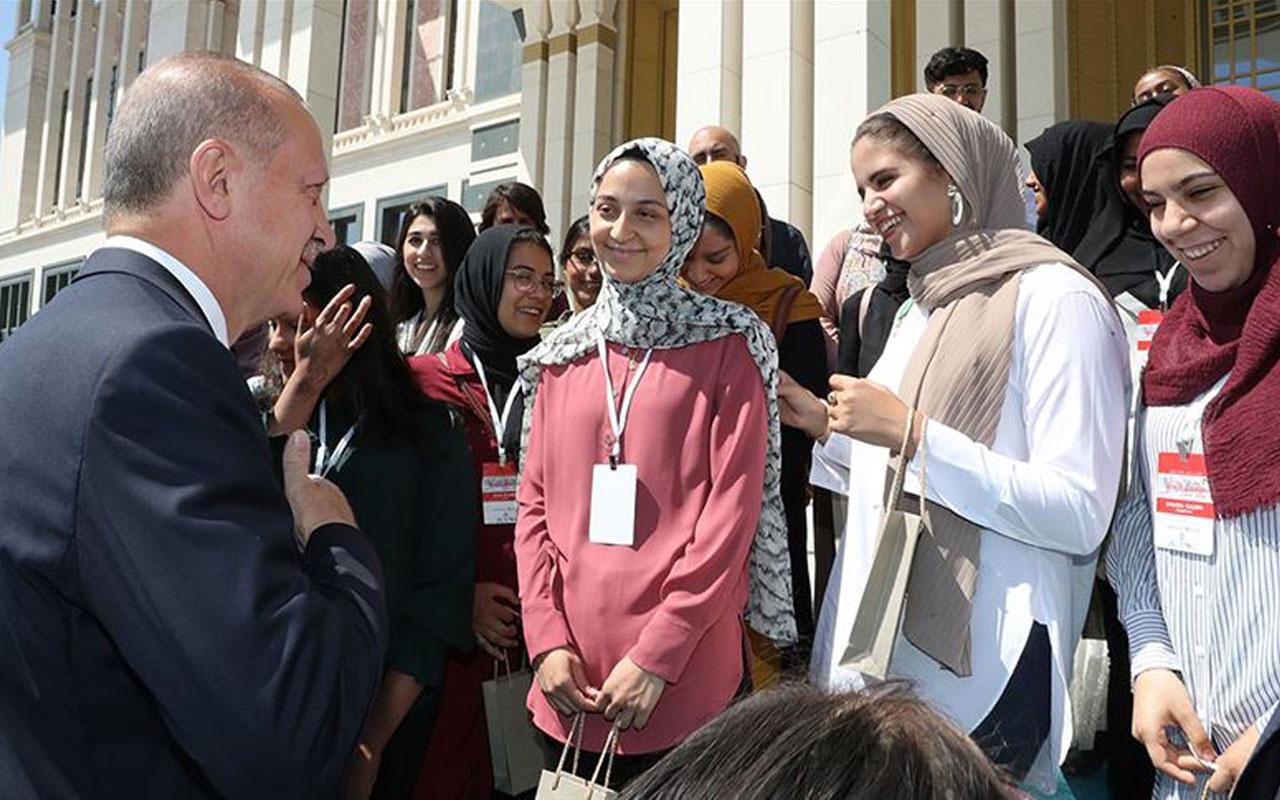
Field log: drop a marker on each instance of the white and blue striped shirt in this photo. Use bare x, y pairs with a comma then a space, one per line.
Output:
1213, 618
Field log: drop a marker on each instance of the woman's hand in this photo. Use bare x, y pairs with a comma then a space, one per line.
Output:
870, 413
799, 409
1231, 763
493, 618
563, 681
1160, 699
630, 694
324, 346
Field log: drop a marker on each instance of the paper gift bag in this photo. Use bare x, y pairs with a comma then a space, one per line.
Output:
562, 785
879, 617
514, 745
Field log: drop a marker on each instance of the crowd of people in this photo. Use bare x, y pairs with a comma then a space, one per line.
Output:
470, 455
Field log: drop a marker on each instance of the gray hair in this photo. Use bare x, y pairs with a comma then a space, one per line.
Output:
175, 105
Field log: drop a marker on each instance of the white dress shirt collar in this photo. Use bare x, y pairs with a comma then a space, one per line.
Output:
190, 281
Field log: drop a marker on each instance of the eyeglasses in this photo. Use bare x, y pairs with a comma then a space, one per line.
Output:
953, 91
584, 256
526, 280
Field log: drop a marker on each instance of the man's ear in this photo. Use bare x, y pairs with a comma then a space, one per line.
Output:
742, 162
212, 163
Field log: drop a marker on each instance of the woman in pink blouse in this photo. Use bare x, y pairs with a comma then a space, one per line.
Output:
665, 396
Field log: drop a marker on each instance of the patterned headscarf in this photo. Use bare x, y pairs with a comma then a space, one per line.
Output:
658, 313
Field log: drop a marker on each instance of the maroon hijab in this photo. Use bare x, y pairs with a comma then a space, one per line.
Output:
1205, 335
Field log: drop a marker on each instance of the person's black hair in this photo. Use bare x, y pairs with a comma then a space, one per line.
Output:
799, 741
519, 196
952, 61
375, 386
527, 235
580, 227
720, 225
885, 127
453, 226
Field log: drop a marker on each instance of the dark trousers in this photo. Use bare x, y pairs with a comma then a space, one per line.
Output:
625, 768
1013, 732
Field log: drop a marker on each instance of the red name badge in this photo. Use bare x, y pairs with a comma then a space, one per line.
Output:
1148, 320
498, 493
1184, 513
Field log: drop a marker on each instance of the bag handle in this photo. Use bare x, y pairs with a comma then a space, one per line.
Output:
610, 747
575, 731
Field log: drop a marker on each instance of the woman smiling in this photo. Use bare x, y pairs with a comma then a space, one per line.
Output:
650, 482
1015, 360
1195, 560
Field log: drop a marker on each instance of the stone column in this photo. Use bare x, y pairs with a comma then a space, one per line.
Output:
27, 95
108, 57
777, 111
593, 132
852, 78
709, 67
562, 69
1041, 44
533, 90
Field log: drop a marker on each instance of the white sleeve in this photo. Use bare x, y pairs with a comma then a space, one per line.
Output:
1074, 368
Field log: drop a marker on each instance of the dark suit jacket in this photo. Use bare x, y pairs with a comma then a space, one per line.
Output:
1260, 779
160, 634
789, 251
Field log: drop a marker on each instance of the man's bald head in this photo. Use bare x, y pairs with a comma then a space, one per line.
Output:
175, 105
714, 143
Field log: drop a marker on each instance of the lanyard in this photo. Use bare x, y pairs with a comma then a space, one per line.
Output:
499, 420
324, 461
1165, 281
618, 420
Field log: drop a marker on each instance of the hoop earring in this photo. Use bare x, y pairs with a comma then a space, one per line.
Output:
957, 204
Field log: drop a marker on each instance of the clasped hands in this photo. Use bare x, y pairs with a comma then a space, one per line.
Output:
858, 408
626, 699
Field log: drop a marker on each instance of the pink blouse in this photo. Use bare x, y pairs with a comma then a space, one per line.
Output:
672, 602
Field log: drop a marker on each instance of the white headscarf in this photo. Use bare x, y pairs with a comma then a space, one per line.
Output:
658, 313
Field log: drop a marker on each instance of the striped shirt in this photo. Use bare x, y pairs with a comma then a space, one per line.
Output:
1214, 618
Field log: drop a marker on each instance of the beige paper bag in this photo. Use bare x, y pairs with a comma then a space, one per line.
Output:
561, 785
515, 748
879, 617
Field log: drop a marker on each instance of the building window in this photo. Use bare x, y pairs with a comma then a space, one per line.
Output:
62, 137
499, 51
1245, 43
426, 53
474, 195
15, 304
356, 64
111, 94
348, 224
57, 278
84, 136
391, 212
495, 140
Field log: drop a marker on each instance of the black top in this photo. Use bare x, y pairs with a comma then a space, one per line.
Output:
862, 341
787, 249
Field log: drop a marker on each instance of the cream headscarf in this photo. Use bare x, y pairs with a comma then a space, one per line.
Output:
958, 373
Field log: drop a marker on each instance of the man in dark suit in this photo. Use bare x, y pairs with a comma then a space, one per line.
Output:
173, 624
785, 243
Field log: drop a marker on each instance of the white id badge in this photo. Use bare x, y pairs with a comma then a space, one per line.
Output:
613, 504
1184, 508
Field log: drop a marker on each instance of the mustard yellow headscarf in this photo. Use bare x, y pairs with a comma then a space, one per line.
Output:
732, 198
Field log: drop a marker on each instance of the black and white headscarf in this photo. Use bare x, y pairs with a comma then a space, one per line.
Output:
658, 313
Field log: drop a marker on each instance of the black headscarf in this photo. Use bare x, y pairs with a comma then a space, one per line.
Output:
1119, 247
862, 340
477, 290
1064, 159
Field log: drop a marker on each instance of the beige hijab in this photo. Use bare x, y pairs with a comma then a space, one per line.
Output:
958, 373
